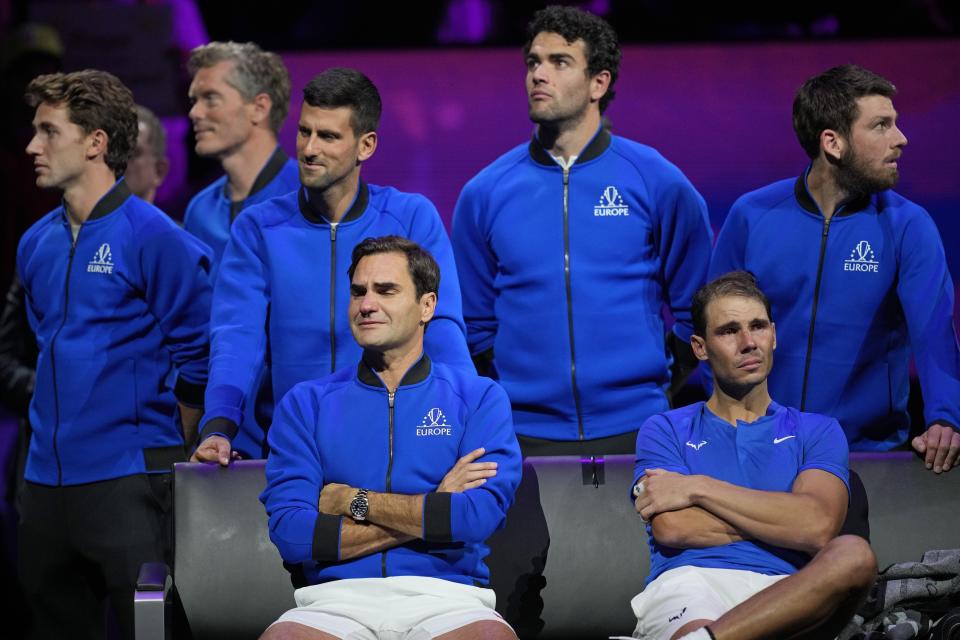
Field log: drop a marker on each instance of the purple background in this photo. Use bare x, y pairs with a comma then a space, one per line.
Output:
719, 112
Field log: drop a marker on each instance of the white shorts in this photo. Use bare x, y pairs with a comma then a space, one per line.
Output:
683, 594
397, 608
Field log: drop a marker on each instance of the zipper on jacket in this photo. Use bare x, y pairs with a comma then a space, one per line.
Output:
391, 396
53, 358
333, 296
813, 312
566, 276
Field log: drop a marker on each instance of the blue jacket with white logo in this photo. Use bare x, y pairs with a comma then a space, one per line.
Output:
850, 296
767, 455
285, 267
209, 217
564, 275
346, 428
113, 312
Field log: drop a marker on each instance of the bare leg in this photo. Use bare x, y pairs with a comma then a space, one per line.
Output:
690, 627
295, 631
482, 630
815, 602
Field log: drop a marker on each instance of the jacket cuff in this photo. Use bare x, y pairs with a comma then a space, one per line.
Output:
223, 426
326, 538
189, 393
436, 517
945, 423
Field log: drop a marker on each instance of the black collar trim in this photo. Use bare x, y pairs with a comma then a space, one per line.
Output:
270, 170
111, 201
806, 201
416, 374
354, 212
593, 149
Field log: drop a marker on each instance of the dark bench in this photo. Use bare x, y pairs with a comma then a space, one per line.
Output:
572, 555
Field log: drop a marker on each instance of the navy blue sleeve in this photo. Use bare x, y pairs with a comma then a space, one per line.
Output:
729, 252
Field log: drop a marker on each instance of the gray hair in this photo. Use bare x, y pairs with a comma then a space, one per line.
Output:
255, 71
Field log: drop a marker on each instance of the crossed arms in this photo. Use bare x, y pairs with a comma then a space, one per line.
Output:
394, 518
695, 511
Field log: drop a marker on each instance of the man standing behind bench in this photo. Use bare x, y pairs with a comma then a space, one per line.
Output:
372, 484
744, 497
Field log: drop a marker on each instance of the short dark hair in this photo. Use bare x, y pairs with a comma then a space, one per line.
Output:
572, 24
156, 134
94, 100
342, 87
829, 101
424, 270
735, 283
255, 71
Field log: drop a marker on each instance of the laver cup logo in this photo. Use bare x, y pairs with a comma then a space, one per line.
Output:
434, 424
102, 260
611, 204
862, 258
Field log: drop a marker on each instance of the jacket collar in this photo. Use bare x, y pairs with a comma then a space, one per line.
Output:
805, 200
356, 209
415, 374
594, 148
111, 201
270, 170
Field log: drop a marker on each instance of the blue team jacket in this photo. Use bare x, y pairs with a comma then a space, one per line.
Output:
347, 428
211, 212
850, 297
113, 312
285, 267
565, 273
209, 217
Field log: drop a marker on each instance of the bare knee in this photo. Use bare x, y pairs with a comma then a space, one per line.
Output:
294, 631
480, 630
852, 563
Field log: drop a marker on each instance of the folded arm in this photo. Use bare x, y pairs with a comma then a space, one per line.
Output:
805, 518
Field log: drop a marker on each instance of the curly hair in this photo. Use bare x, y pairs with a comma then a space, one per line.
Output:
94, 100
600, 40
255, 71
829, 101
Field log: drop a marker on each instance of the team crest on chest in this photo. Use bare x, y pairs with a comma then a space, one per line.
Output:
434, 423
862, 259
611, 204
102, 261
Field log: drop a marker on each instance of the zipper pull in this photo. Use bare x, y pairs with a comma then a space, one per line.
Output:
826, 226
333, 231
390, 397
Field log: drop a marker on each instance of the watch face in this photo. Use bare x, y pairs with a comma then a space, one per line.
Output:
359, 506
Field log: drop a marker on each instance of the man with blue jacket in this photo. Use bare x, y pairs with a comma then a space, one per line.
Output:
118, 297
240, 96
855, 272
569, 247
285, 257
373, 483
